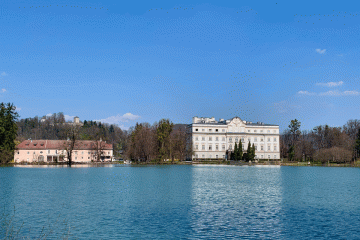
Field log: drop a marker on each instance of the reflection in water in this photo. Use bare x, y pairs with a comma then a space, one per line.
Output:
182, 202
66, 166
235, 202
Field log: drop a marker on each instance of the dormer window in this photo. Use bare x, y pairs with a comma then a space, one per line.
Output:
27, 144
35, 144
41, 144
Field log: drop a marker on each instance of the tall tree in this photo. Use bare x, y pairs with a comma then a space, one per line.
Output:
8, 131
357, 144
163, 131
236, 152
240, 151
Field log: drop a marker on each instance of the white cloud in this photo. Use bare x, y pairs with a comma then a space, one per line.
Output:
17, 108
4, 74
49, 114
119, 118
3, 90
320, 51
330, 84
306, 93
69, 118
331, 93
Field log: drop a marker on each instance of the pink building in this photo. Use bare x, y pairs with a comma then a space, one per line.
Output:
56, 151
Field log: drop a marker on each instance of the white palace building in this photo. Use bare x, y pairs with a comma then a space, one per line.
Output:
214, 139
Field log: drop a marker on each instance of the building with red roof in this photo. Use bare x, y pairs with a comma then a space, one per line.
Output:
56, 151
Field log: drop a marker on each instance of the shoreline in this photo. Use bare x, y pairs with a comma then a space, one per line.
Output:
232, 163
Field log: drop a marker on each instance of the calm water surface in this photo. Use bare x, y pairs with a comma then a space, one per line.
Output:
180, 202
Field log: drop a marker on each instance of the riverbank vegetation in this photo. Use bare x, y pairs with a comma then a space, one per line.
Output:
323, 144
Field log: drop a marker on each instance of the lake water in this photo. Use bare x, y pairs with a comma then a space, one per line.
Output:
180, 202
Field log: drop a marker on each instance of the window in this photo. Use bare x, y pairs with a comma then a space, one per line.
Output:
256, 139
274, 132
223, 130
210, 130
261, 130
230, 139
19, 152
243, 139
256, 148
41, 144
28, 153
210, 156
48, 151
217, 156
203, 156
27, 144
255, 130
82, 152
274, 148
236, 139
196, 155
248, 130
75, 158
262, 156
34, 152
268, 156
274, 139
230, 147
196, 147
203, 147
88, 157
75, 152
203, 138
223, 138
268, 148
35, 144
196, 129
203, 130
262, 148
27, 159
210, 147
268, 132
210, 138
216, 130
82, 157
217, 138
197, 138
56, 151
223, 156
223, 147
108, 153
217, 147
89, 153
262, 139
275, 156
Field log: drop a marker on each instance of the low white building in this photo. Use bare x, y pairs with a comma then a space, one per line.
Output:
213, 139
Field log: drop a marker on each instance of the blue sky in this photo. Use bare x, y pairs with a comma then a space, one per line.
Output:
122, 62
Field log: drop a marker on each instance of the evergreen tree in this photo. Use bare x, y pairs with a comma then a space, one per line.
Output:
240, 150
236, 152
8, 131
253, 152
248, 152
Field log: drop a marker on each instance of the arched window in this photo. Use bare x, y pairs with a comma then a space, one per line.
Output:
230, 147
230, 139
41, 158
236, 139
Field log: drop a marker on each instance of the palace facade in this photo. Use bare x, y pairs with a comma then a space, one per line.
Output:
216, 139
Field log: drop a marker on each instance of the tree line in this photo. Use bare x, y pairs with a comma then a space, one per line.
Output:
143, 143
162, 141
323, 143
